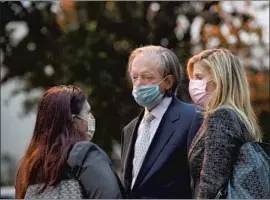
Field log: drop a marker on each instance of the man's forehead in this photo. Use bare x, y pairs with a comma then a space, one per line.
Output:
146, 61
150, 58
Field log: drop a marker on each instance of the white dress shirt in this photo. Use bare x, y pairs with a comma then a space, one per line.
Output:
158, 113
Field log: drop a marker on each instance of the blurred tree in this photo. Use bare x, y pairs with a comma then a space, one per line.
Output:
88, 43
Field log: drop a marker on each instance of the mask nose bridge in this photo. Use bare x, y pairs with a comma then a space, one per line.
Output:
210, 81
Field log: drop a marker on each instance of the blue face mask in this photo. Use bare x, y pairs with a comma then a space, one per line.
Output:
148, 95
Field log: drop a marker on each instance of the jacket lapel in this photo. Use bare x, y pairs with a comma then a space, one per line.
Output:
196, 139
130, 138
161, 138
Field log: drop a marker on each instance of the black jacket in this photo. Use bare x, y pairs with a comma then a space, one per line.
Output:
94, 171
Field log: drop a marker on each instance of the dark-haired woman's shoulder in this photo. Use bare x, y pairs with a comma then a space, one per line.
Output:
94, 171
89, 149
83, 149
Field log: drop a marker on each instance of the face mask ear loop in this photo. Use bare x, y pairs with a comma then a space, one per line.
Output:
162, 80
210, 81
80, 117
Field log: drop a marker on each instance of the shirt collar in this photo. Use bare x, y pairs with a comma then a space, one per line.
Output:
161, 108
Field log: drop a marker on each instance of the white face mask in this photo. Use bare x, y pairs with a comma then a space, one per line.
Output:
91, 125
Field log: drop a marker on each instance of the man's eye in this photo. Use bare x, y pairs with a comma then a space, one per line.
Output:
134, 78
149, 77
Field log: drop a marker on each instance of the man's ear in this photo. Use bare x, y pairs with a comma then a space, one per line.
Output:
169, 81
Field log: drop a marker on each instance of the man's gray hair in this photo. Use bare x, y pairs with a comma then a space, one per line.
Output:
167, 61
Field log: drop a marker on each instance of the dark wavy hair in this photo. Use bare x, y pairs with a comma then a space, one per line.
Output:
54, 134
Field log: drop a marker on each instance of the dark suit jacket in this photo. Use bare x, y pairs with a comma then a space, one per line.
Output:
164, 172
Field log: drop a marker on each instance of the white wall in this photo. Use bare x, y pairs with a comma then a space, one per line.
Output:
15, 131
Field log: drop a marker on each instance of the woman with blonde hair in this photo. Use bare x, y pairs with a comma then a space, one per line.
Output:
218, 83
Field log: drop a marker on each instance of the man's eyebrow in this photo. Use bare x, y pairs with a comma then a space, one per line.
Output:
147, 72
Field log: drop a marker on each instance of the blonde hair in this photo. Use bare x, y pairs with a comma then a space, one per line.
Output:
232, 88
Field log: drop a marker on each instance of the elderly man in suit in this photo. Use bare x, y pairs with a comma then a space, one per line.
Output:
155, 144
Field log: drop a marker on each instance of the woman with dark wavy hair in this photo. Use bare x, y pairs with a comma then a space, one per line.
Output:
59, 150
